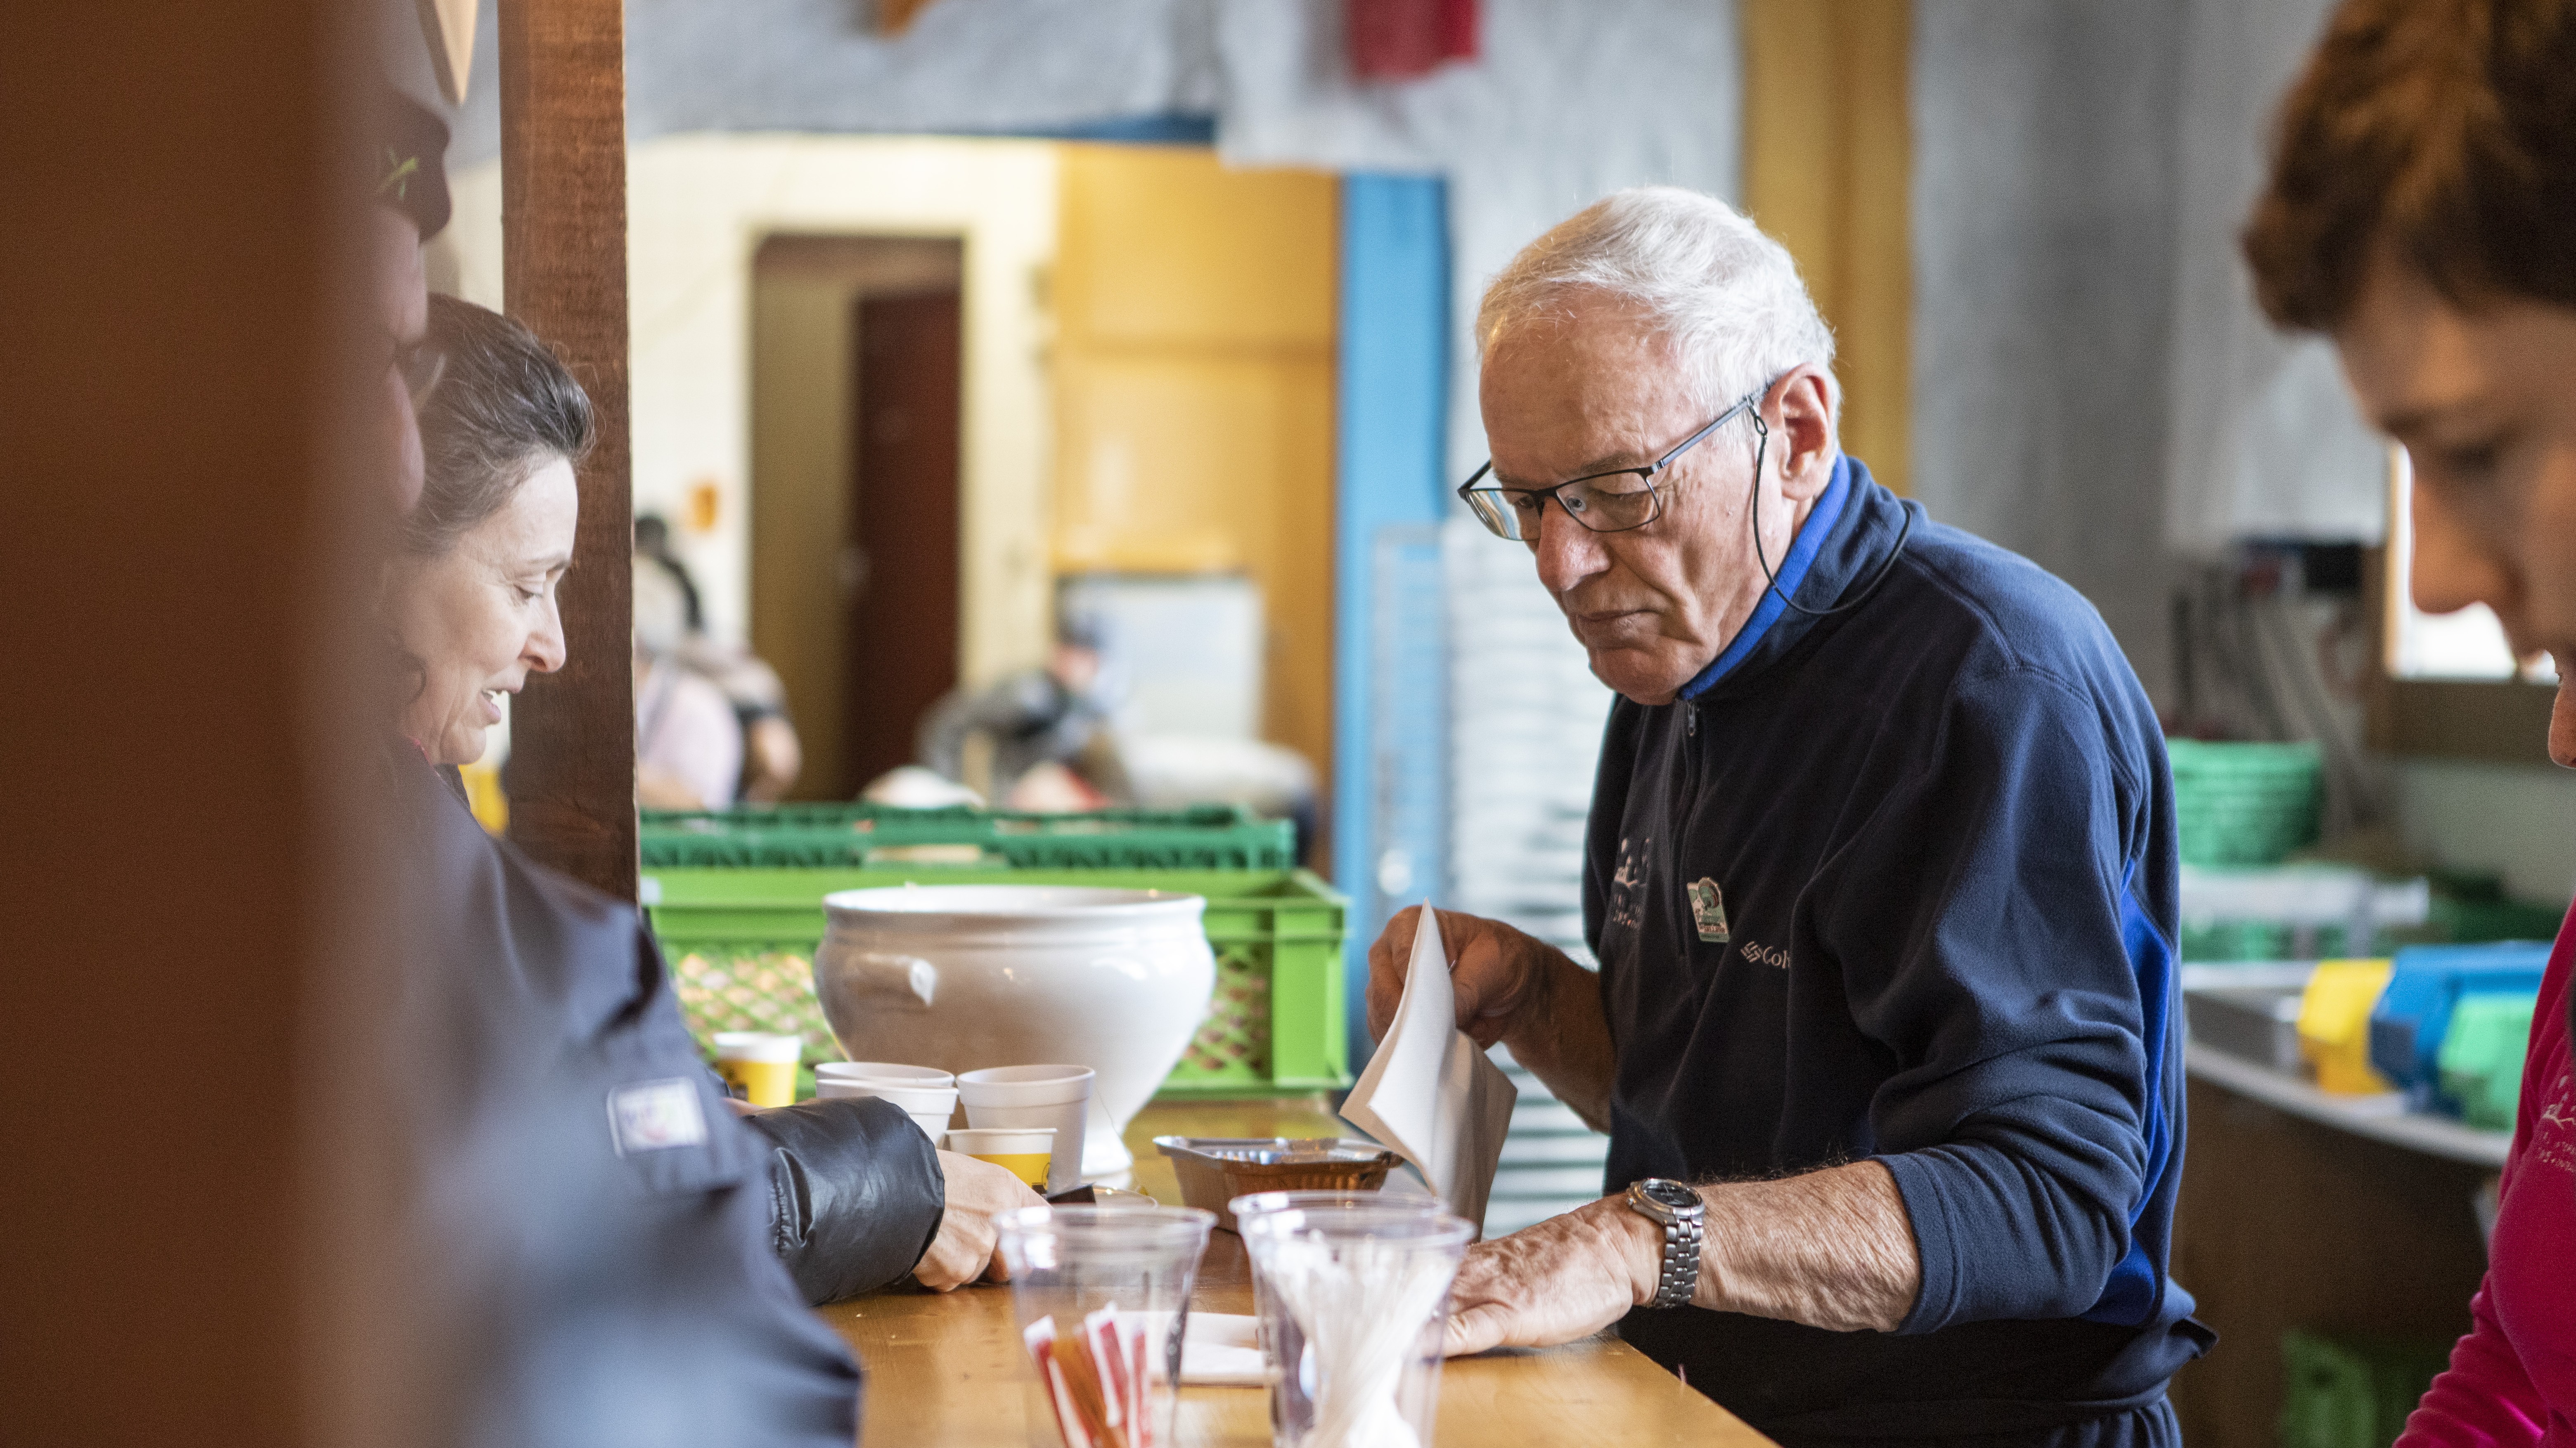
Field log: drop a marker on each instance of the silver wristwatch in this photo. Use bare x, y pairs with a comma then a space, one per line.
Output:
1678, 1210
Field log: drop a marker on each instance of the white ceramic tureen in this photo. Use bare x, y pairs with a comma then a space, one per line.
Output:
962, 977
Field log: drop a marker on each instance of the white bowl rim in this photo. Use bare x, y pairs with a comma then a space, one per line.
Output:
1004, 904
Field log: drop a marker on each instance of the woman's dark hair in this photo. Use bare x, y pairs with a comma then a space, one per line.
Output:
2441, 133
503, 407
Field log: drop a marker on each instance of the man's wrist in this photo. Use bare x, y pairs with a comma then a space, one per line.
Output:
1638, 1244
1531, 1036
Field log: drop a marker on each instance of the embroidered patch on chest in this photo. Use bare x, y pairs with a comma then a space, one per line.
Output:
656, 1116
1628, 882
1708, 911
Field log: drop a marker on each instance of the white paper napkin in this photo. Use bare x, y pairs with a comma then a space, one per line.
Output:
1429, 1094
1221, 1350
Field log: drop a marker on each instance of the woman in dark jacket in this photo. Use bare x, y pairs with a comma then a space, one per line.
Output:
583, 1180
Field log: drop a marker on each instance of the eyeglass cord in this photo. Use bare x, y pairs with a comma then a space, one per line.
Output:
1761, 447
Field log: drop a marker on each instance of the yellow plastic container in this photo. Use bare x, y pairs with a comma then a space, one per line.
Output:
2334, 1025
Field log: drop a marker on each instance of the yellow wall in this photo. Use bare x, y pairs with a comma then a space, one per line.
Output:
1194, 393
698, 208
1827, 171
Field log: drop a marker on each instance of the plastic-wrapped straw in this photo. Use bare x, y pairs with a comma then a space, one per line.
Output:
1096, 1381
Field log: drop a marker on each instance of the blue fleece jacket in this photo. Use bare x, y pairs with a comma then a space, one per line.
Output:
1899, 884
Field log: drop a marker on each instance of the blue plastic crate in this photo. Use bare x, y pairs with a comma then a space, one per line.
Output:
2414, 1013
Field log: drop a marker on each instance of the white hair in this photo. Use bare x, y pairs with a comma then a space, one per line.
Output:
1727, 297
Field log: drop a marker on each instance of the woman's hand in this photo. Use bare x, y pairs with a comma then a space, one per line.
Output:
978, 1191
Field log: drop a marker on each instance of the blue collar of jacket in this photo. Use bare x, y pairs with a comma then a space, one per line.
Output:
1849, 478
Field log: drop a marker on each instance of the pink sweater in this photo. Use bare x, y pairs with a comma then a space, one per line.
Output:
2512, 1380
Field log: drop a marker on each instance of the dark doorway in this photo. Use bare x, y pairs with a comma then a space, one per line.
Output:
902, 633
808, 549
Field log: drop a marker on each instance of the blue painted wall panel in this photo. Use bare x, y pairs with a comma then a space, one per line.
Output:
1392, 433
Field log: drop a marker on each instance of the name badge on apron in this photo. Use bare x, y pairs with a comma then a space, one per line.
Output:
1708, 911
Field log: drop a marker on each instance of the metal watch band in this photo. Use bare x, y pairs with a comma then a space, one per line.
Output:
1685, 1226
1681, 1262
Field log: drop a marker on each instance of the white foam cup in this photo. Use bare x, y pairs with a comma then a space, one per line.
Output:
884, 1072
1035, 1096
931, 1103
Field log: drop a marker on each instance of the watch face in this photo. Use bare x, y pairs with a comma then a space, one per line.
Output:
1670, 1193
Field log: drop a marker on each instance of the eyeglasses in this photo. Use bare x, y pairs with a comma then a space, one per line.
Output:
420, 365
1611, 502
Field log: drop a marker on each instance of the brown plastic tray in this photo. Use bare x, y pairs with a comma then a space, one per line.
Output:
1214, 1170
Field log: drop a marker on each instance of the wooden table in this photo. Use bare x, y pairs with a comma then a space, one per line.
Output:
946, 1370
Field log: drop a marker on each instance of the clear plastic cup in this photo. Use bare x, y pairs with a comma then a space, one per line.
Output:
1318, 1199
1353, 1297
1103, 1298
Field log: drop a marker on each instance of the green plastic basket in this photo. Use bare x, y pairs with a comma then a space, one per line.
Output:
832, 836
741, 946
2344, 1393
2244, 804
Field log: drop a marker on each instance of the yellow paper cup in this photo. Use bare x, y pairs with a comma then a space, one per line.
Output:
1023, 1151
763, 1065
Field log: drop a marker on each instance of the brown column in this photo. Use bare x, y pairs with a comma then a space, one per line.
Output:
164, 570
563, 220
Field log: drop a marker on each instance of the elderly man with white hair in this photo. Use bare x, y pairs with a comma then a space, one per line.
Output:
1881, 878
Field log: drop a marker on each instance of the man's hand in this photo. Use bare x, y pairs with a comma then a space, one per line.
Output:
1497, 972
1515, 989
1566, 1278
978, 1191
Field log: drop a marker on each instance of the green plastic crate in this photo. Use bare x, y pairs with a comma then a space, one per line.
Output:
2230, 942
2482, 1055
2244, 804
2347, 1393
741, 946
833, 836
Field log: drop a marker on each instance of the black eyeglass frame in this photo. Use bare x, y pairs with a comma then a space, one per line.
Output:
1494, 515
420, 363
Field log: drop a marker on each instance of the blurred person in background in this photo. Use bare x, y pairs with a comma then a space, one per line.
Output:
1048, 728
688, 744
2421, 211
653, 540
772, 754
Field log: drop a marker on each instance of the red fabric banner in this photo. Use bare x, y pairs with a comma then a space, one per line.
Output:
1401, 39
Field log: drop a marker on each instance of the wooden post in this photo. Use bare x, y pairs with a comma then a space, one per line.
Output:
165, 503
563, 227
